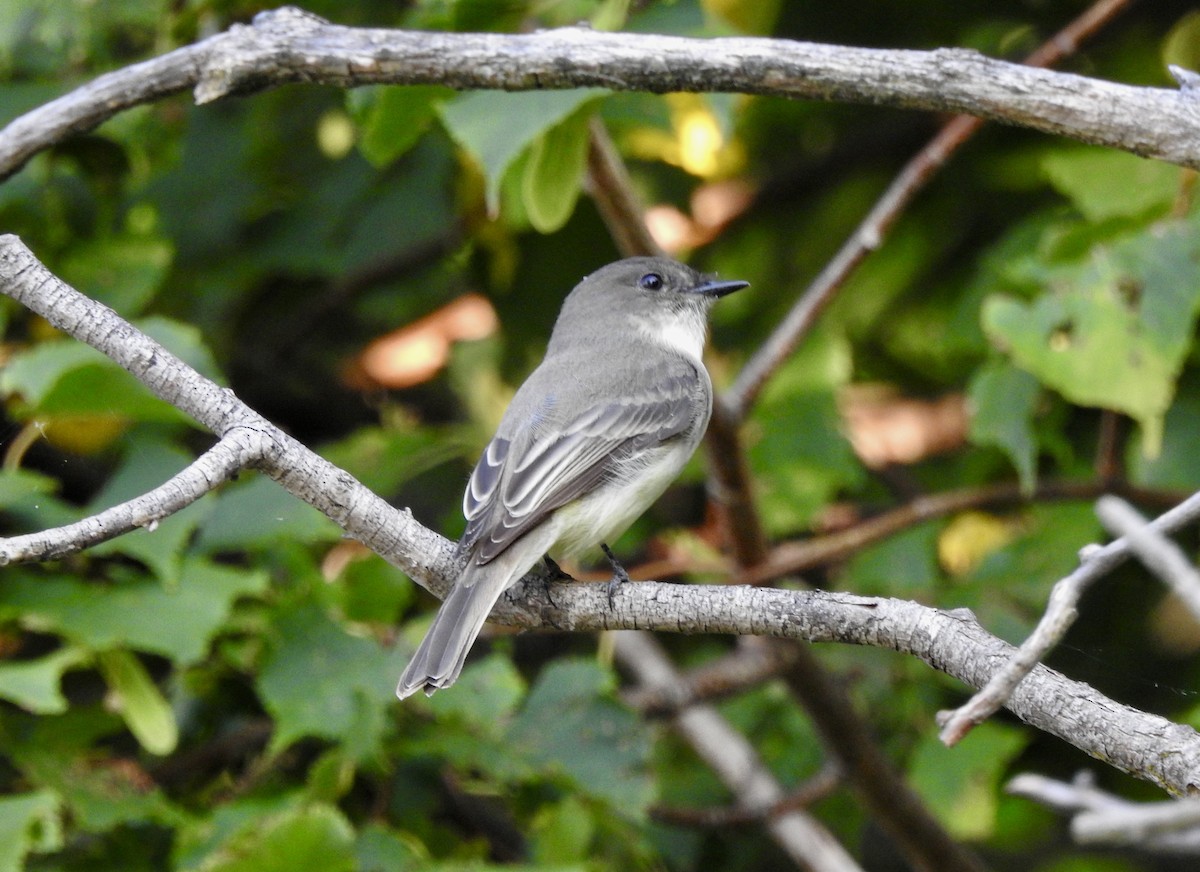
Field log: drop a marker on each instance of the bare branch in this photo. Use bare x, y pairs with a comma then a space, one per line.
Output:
424, 555
217, 465
821, 785
288, 45
1141, 744
870, 233
1095, 563
789, 558
1160, 555
612, 192
1104, 819
735, 762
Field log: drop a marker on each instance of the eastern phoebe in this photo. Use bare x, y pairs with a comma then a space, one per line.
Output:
590, 440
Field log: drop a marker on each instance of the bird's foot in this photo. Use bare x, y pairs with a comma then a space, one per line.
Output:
554, 572
551, 574
620, 576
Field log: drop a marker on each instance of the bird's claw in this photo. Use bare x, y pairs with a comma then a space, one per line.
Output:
619, 577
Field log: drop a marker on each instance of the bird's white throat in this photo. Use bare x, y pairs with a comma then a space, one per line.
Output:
683, 331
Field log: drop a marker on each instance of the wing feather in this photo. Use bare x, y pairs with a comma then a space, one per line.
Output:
519, 480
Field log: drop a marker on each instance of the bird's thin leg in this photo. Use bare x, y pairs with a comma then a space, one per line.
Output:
620, 576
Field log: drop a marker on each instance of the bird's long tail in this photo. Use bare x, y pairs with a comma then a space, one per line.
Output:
439, 657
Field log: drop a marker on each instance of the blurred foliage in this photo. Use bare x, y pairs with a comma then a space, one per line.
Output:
216, 693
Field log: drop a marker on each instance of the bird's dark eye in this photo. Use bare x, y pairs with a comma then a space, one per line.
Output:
651, 282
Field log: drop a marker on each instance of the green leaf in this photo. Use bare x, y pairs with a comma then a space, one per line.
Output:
1178, 464
1009, 588
1182, 44
570, 725
331, 776
314, 838
29, 822
139, 702
960, 784
901, 565
59, 753
105, 389
1003, 400
34, 685
318, 680
490, 690
123, 272
65, 377
259, 513
18, 485
1113, 330
393, 118
374, 590
797, 435
380, 850
1104, 184
563, 833
495, 126
202, 839
32, 373
554, 173
610, 15
177, 622
369, 453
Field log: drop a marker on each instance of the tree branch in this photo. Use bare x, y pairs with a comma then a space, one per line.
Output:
877, 223
790, 558
1141, 744
735, 762
219, 464
288, 45
1100, 818
1156, 552
1095, 563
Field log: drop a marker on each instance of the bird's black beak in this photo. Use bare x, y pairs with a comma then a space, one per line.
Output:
716, 289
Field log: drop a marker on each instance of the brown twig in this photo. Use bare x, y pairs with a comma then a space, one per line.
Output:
891, 802
735, 761
612, 191
870, 234
790, 558
741, 669
821, 785
195, 762
1108, 446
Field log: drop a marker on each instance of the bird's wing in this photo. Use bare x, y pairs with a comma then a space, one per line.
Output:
520, 480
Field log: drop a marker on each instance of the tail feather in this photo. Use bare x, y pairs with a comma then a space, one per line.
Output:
440, 656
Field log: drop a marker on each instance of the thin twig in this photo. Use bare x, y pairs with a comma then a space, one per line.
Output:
736, 763
870, 233
207, 472
1100, 818
790, 558
612, 191
821, 785
1095, 563
1159, 554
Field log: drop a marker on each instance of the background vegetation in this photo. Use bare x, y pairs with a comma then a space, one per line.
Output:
216, 694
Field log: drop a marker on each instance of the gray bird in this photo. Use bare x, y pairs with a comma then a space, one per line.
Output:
594, 435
